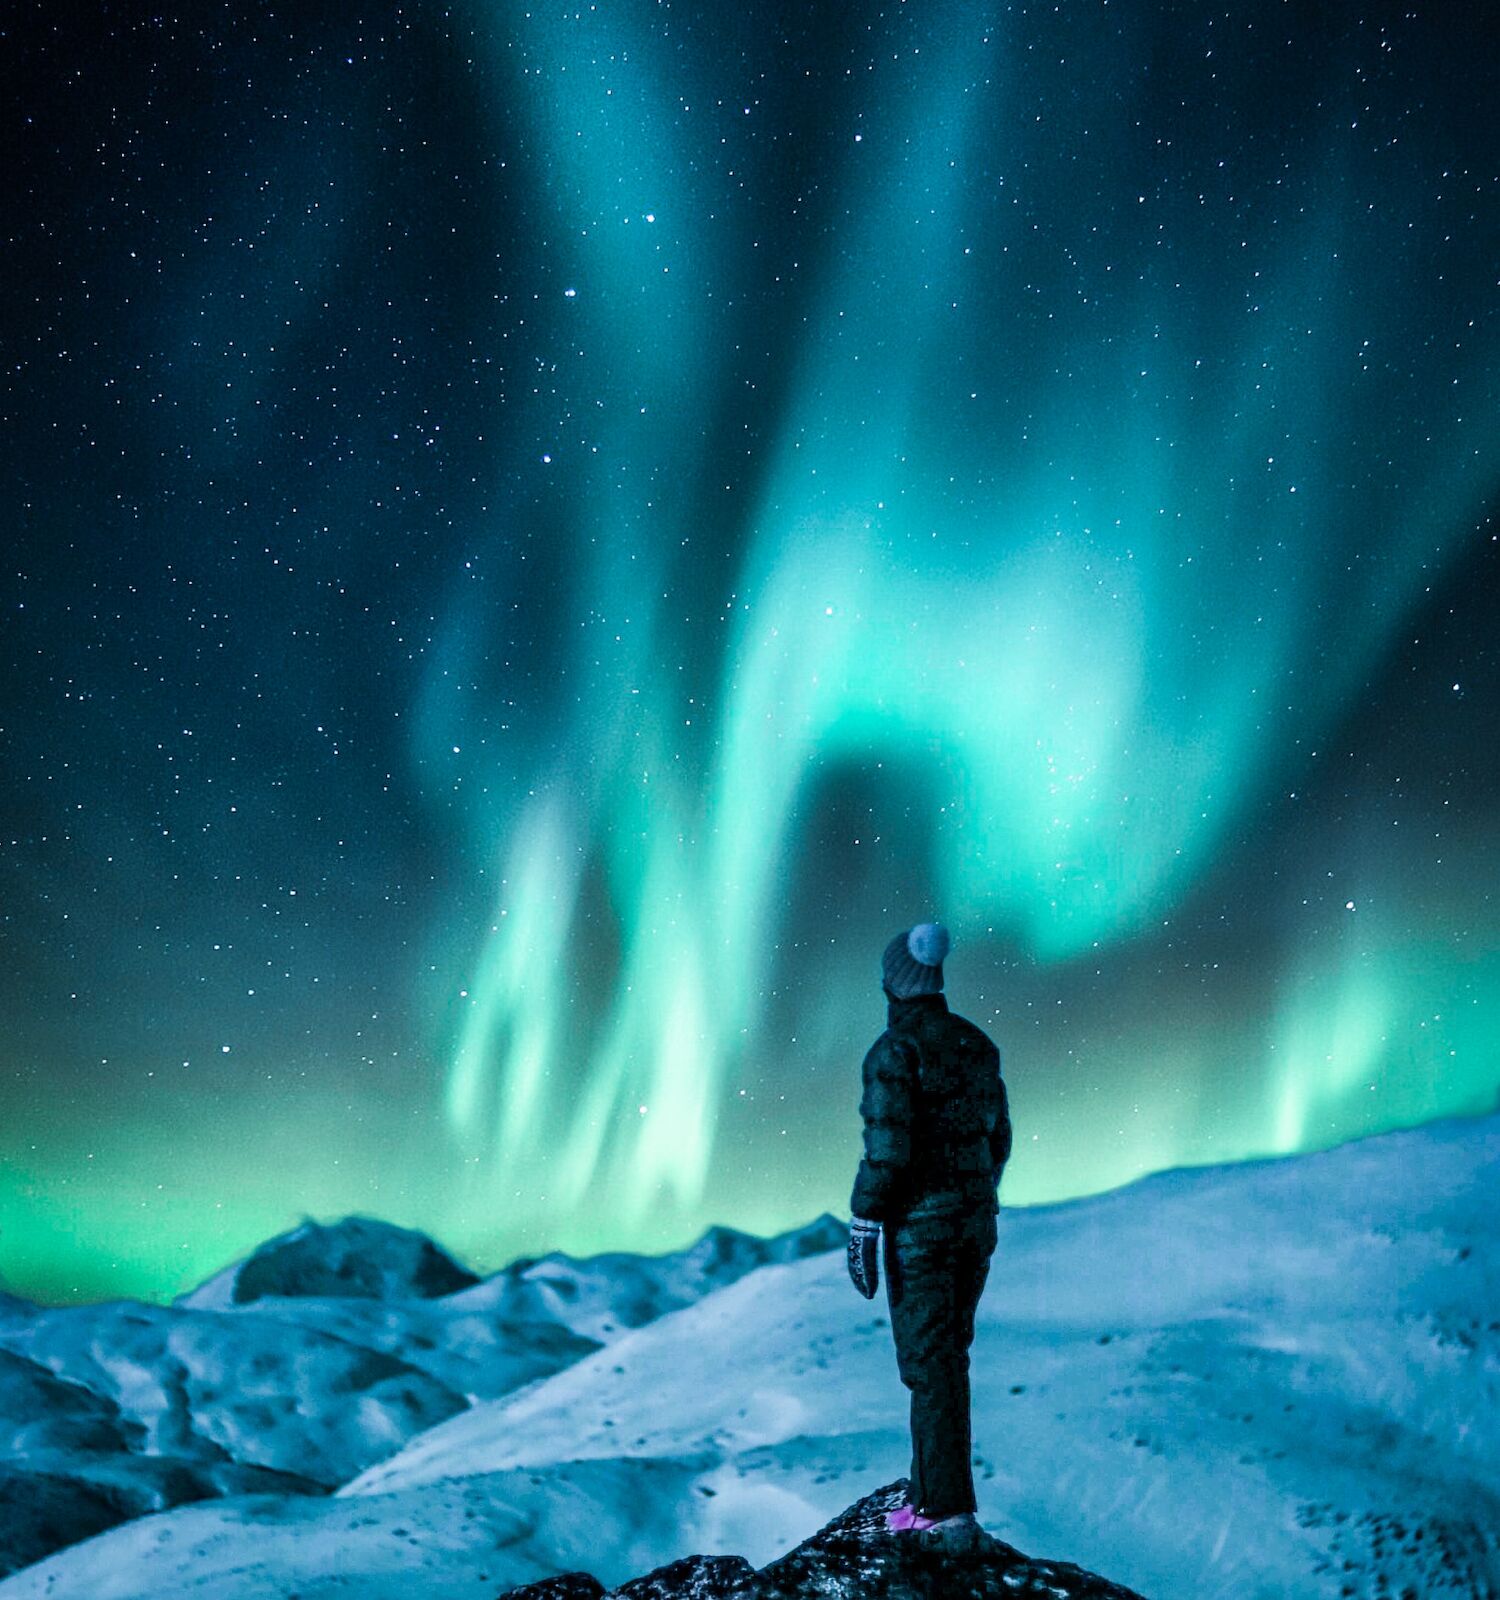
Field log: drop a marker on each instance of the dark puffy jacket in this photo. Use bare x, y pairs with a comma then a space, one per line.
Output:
937, 1124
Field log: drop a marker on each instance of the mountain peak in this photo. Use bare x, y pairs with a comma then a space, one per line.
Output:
355, 1258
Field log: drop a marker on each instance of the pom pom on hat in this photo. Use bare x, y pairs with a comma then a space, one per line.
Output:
928, 942
913, 960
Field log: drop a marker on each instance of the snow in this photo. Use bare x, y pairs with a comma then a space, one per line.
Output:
1262, 1380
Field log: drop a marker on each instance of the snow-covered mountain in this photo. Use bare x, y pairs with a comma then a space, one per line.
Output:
290, 1371
1278, 1378
600, 1297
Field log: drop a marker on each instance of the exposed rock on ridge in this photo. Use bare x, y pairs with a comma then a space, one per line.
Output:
854, 1557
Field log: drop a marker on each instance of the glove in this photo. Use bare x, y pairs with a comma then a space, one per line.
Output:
864, 1255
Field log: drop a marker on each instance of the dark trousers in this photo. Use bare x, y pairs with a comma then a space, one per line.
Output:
935, 1269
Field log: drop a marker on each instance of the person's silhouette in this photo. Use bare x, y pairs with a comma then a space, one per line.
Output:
937, 1136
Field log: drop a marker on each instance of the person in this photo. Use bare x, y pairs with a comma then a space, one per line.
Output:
937, 1136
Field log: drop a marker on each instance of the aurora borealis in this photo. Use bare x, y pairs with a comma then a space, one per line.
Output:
539, 538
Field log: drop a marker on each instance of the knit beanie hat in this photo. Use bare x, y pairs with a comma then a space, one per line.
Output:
913, 961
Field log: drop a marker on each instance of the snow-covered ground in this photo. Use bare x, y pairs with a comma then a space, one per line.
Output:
1272, 1379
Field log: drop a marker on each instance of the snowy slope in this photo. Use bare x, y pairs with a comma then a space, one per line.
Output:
209, 1387
1228, 1381
319, 1354
1272, 1379
465, 1540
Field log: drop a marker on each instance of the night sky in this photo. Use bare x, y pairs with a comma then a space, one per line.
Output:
537, 539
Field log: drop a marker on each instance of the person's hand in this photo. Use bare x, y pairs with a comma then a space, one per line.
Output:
864, 1255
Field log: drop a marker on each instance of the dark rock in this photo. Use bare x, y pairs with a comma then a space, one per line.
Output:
856, 1557
40, 1513
566, 1586
692, 1578
50, 1499
358, 1258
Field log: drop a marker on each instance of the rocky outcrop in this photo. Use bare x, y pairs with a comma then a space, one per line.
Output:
356, 1258
854, 1557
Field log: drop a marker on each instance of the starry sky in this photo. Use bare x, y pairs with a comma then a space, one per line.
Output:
538, 537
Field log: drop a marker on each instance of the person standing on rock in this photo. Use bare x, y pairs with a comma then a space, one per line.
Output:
936, 1139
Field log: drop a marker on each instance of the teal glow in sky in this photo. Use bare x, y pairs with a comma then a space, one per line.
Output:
589, 523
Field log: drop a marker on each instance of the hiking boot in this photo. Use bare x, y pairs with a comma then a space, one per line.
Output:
960, 1532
